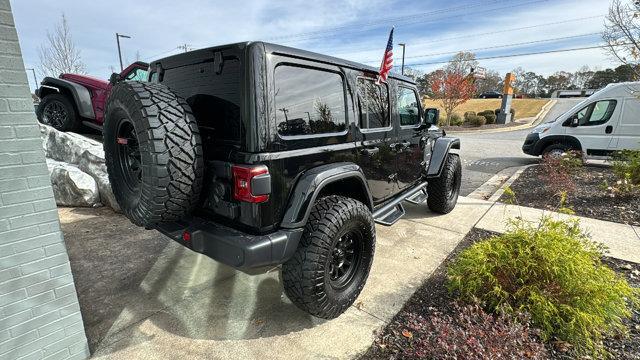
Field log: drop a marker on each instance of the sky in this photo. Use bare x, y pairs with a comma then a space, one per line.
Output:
356, 30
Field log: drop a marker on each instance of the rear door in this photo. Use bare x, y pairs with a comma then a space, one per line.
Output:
375, 155
408, 146
628, 129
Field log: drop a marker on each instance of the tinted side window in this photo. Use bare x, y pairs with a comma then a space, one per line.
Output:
373, 104
309, 101
408, 106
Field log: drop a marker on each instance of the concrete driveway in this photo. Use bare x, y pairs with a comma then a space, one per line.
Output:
143, 296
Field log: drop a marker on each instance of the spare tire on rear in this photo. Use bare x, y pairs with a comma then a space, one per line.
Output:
153, 152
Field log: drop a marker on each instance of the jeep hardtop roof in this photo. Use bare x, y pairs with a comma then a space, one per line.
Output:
204, 54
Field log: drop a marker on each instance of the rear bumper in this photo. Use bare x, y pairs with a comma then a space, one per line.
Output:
233, 247
529, 147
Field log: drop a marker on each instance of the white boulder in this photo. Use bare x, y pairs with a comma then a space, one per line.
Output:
72, 186
85, 153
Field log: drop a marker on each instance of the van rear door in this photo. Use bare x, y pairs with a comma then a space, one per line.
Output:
627, 132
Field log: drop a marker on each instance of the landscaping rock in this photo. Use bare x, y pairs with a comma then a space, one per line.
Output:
72, 186
85, 153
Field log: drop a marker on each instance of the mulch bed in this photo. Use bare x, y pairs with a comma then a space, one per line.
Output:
588, 199
468, 127
433, 297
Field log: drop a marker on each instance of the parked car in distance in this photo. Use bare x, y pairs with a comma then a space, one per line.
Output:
72, 100
490, 95
260, 155
605, 122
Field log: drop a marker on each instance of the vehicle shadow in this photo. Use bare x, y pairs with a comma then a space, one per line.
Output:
126, 277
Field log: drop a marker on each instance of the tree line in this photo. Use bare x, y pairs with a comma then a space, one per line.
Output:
528, 83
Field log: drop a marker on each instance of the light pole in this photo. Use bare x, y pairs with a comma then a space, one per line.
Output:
118, 36
402, 68
35, 80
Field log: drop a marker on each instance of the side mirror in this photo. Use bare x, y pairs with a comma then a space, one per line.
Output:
114, 78
575, 121
431, 116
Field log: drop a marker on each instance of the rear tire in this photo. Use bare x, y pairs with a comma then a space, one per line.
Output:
58, 112
153, 153
443, 191
331, 265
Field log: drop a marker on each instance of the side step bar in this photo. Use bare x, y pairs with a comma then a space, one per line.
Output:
92, 125
392, 211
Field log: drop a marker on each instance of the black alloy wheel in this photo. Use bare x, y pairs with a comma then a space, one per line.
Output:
55, 114
128, 153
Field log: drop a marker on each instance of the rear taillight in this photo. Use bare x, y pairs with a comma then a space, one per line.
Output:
251, 183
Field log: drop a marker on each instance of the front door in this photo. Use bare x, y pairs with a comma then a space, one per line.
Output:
408, 145
375, 155
595, 127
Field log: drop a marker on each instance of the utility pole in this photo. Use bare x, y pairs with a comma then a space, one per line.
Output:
35, 80
285, 111
185, 47
118, 36
402, 68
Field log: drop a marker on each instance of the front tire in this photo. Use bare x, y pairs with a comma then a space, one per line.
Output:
443, 191
58, 112
331, 265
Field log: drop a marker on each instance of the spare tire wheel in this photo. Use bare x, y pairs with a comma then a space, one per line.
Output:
153, 152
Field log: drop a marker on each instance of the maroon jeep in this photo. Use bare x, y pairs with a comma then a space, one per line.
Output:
72, 100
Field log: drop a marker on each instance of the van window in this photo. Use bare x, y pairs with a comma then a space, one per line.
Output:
596, 113
373, 104
602, 111
309, 101
408, 107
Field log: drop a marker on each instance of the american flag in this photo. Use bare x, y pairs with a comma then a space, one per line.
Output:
387, 60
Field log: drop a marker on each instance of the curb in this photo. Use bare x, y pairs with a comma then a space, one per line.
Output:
493, 188
494, 198
536, 121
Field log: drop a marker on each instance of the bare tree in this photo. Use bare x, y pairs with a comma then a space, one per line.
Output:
622, 33
462, 63
60, 55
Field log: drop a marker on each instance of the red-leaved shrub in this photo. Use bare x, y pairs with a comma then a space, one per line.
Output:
557, 172
472, 334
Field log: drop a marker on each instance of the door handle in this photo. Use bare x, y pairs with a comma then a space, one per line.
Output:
369, 151
608, 129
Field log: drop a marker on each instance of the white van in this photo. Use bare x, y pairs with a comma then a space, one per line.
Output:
606, 121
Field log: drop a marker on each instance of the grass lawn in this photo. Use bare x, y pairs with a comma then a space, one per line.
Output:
524, 107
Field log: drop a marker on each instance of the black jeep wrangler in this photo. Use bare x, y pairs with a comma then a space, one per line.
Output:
257, 155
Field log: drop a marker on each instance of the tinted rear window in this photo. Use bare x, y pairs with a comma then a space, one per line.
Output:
309, 101
213, 94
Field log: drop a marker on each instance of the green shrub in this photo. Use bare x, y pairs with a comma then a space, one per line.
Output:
626, 164
552, 272
477, 120
456, 120
469, 114
489, 116
626, 168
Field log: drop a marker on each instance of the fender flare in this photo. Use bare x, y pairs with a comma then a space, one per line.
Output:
439, 154
568, 140
81, 95
310, 185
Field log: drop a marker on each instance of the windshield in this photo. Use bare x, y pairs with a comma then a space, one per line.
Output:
577, 106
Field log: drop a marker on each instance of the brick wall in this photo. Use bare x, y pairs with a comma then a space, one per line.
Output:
39, 311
